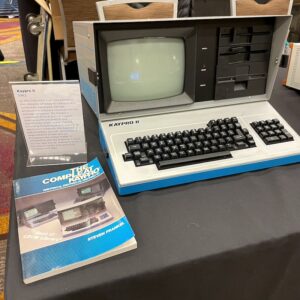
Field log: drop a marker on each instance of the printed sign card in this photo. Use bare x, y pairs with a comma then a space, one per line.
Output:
52, 121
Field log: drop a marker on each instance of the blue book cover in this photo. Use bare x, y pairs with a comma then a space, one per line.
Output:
68, 219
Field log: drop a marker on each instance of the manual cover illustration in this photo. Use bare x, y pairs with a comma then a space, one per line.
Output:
68, 219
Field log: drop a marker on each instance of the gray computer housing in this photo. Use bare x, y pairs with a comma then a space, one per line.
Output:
86, 36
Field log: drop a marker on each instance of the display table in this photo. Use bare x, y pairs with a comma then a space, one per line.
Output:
230, 238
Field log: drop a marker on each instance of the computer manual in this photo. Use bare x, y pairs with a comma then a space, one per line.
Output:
68, 219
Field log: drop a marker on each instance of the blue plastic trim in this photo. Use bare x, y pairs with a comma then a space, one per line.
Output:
198, 176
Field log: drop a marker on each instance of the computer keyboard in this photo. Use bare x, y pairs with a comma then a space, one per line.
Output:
173, 149
77, 226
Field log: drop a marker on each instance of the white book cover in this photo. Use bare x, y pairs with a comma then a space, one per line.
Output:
293, 79
68, 219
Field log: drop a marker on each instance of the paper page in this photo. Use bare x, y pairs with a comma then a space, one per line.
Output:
52, 119
293, 79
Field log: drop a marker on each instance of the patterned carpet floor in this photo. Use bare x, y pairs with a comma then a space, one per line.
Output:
12, 48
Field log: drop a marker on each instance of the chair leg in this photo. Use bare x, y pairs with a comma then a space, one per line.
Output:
1, 56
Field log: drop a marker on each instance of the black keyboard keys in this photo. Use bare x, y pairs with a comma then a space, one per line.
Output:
198, 145
272, 132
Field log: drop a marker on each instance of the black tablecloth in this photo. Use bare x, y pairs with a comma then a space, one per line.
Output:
230, 238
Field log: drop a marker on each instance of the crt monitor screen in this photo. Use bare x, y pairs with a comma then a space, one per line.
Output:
145, 69
71, 214
30, 213
85, 191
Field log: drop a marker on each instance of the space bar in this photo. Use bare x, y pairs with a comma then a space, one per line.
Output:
178, 162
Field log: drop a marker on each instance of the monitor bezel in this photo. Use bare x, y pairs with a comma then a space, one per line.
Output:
102, 37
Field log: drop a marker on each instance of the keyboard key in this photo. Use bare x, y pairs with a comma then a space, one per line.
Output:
245, 131
158, 151
272, 140
283, 138
193, 132
153, 145
238, 126
216, 135
229, 140
214, 149
128, 156
209, 136
162, 136
171, 135
144, 161
186, 133
288, 135
273, 127
165, 156
263, 135
271, 133
193, 139
201, 137
190, 146
185, 140
130, 142
198, 145
161, 143
231, 126
192, 160
223, 127
214, 143
212, 123
137, 154
222, 141
251, 143
231, 133
138, 140
239, 138
229, 147
182, 154
169, 142
206, 144
178, 134
241, 145
154, 138
198, 151
150, 153
146, 139
174, 148
190, 152
206, 150
222, 148
156, 158
216, 128
167, 150
174, 155
145, 146
134, 147
178, 141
